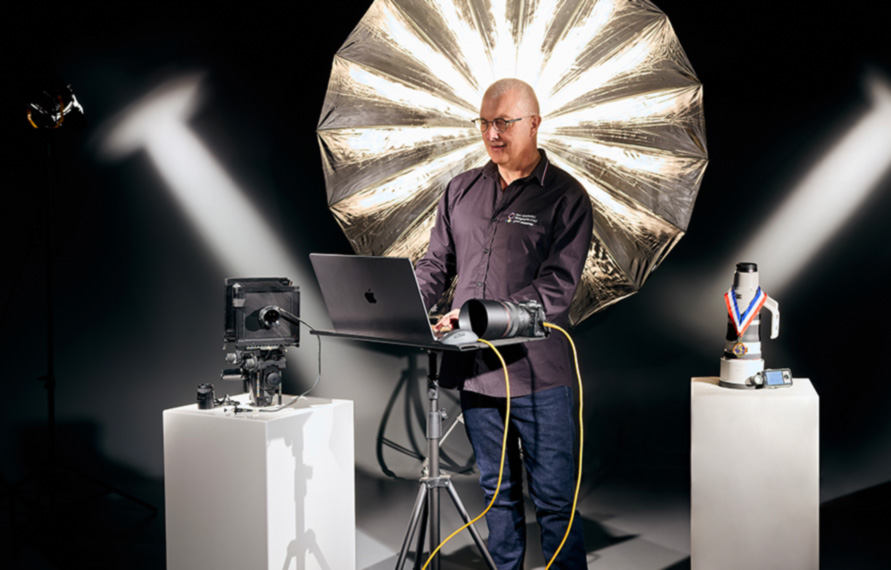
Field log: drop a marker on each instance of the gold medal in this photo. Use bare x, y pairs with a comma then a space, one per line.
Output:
739, 349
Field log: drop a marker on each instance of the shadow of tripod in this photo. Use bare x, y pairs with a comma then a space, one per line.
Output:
304, 541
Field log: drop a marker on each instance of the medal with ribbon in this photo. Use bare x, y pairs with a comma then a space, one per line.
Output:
742, 321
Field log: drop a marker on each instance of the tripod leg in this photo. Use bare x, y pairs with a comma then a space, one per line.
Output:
422, 534
453, 493
420, 504
433, 501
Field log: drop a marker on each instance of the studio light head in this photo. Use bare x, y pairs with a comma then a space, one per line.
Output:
502, 319
52, 104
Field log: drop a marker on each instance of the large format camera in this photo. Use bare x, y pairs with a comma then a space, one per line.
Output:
262, 320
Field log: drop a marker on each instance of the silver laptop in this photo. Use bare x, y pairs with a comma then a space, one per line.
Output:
375, 297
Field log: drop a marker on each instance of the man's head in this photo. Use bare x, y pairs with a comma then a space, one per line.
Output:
516, 149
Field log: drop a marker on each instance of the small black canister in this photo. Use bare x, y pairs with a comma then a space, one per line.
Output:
205, 396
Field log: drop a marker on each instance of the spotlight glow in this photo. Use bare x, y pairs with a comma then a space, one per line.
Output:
229, 224
826, 198
817, 207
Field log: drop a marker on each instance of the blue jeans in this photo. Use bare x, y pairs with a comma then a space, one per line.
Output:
542, 423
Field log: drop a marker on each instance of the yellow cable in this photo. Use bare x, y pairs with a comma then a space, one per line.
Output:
503, 449
578, 481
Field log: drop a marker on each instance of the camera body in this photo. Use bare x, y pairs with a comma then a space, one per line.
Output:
249, 322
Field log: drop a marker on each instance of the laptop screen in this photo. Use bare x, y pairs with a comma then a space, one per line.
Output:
372, 296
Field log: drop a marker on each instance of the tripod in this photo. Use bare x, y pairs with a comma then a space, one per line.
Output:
426, 508
427, 502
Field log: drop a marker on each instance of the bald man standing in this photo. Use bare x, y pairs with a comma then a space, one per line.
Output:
516, 229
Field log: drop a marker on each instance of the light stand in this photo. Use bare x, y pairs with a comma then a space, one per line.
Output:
54, 105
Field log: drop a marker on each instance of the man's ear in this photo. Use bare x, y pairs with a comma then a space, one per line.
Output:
536, 121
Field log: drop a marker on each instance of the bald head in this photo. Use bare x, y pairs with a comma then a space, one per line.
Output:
526, 98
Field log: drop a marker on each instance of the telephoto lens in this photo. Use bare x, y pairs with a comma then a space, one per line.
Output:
502, 319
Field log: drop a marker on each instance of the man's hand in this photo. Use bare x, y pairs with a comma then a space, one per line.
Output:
447, 322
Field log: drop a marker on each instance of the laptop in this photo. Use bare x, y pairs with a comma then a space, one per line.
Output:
374, 297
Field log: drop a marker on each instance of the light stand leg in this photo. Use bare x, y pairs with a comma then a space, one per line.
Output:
422, 534
453, 493
420, 504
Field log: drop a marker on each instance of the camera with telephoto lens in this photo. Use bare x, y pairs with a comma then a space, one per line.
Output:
503, 319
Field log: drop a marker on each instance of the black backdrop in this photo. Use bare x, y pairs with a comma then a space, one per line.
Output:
138, 297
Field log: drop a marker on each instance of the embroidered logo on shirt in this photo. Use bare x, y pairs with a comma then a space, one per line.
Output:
525, 219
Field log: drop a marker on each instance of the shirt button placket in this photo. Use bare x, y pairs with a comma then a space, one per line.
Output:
487, 255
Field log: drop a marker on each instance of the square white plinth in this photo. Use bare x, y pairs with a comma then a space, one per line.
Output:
755, 477
260, 490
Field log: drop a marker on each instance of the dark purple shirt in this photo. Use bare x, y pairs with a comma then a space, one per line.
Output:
527, 242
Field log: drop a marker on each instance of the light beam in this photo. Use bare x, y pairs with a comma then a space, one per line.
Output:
827, 197
231, 227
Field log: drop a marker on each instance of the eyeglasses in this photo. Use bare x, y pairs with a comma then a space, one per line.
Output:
500, 125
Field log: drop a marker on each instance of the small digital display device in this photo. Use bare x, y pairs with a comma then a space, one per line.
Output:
773, 378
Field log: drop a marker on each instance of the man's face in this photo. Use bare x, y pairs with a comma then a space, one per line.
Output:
516, 148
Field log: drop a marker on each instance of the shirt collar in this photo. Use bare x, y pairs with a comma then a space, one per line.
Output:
539, 173
541, 169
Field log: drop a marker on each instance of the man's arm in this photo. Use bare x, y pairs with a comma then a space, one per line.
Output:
559, 275
437, 268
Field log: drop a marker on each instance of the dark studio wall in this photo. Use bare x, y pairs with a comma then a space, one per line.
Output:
138, 295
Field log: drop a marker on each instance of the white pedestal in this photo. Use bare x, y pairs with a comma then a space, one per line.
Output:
755, 477
261, 490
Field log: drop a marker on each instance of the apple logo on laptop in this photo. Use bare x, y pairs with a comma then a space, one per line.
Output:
369, 296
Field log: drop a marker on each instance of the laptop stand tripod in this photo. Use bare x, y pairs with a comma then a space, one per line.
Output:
426, 508
427, 502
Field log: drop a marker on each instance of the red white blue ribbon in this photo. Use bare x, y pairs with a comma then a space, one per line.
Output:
742, 321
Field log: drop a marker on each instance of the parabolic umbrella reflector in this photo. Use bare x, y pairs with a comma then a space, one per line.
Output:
621, 108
